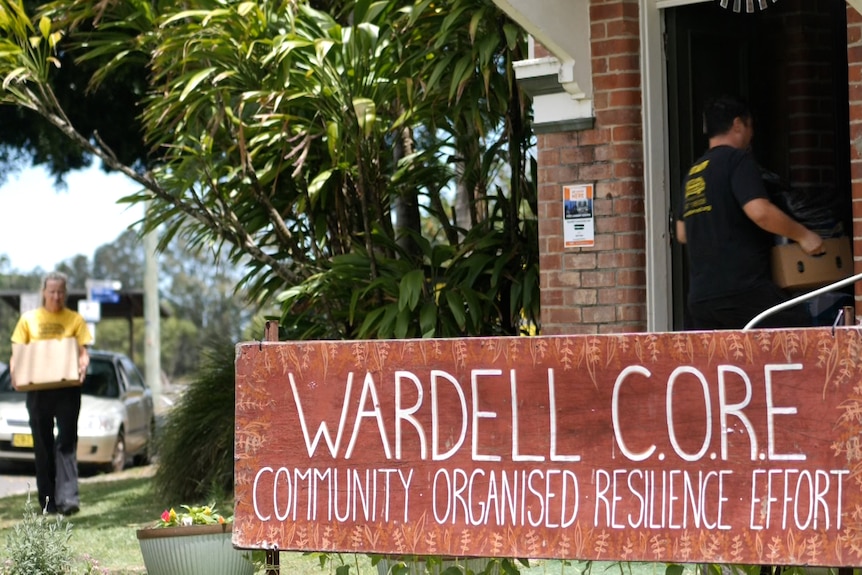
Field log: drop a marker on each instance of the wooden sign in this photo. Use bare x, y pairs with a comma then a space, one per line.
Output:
721, 447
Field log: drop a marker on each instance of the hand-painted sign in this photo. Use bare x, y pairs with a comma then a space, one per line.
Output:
725, 447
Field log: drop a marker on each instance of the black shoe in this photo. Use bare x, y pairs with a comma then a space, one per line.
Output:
69, 510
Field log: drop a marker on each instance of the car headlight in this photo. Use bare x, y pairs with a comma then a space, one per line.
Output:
108, 422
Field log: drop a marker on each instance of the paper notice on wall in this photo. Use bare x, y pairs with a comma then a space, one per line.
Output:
579, 223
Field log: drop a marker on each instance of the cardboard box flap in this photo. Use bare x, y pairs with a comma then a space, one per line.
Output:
46, 363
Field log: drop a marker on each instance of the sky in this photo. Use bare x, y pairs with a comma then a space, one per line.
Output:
40, 225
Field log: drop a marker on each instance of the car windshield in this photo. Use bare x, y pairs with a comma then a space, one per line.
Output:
101, 379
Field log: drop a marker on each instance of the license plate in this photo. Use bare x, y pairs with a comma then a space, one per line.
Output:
22, 440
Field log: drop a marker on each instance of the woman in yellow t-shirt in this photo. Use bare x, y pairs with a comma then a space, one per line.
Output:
56, 459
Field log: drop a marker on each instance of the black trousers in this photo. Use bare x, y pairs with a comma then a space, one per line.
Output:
734, 312
56, 458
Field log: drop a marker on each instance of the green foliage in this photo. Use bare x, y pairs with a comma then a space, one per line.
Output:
290, 137
38, 545
196, 444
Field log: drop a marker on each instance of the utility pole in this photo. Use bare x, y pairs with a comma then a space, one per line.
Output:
152, 331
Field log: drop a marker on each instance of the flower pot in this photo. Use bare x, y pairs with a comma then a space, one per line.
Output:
193, 550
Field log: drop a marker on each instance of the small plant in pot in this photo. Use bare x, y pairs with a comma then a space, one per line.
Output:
194, 541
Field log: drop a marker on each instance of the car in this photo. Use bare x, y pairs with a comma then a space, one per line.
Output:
116, 424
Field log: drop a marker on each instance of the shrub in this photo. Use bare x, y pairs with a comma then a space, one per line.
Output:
39, 545
195, 446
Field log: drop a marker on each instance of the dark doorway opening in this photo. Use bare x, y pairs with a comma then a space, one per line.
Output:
790, 63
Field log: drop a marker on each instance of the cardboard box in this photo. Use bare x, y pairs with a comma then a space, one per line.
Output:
793, 269
46, 364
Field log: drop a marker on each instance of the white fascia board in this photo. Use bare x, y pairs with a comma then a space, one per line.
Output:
561, 112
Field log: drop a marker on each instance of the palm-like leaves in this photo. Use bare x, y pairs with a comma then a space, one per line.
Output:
287, 134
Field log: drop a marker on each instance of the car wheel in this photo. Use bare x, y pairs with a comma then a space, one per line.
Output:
146, 454
118, 457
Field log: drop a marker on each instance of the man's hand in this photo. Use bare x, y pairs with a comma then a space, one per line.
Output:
812, 244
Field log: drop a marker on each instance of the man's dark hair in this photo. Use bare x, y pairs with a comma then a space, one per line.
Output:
719, 113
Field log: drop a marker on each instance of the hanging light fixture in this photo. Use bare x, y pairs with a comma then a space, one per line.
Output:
749, 4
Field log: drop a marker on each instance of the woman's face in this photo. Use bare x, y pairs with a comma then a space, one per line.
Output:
54, 295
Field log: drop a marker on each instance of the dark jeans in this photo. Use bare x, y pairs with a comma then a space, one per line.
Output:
734, 312
56, 459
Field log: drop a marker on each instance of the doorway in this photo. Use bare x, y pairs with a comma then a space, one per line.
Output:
790, 63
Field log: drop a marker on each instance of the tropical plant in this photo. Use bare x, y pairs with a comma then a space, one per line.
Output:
321, 150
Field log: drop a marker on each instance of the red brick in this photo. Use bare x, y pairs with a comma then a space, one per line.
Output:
616, 81
622, 296
579, 261
598, 279
625, 151
626, 28
560, 139
598, 30
629, 205
619, 327
625, 98
594, 136
565, 314
569, 279
553, 297
549, 156
628, 170
623, 63
557, 329
627, 134
604, 242
620, 223
548, 262
582, 297
631, 278
610, 11
599, 314
632, 313
618, 116
633, 241
589, 172
620, 259
578, 155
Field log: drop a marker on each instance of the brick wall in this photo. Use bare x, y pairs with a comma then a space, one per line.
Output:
600, 289
854, 68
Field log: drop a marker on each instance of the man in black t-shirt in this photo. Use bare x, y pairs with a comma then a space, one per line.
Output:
727, 221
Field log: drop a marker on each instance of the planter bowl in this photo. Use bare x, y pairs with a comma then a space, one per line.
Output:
193, 550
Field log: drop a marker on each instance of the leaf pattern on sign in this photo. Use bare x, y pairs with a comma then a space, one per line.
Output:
539, 350
628, 547
465, 542
565, 352
514, 349
707, 345
763, 340
736, 549
601, 544
358, 352
592, 356
740, 348
459, 352
683, 349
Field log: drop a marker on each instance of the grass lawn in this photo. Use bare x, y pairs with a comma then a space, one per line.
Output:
114, 506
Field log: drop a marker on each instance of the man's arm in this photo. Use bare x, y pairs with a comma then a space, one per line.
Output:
680, 232
768, 217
